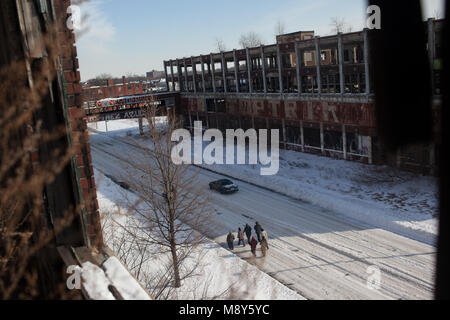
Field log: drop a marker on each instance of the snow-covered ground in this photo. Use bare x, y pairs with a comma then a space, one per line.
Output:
397, 201
218, 274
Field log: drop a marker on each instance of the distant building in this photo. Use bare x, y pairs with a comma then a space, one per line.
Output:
154, 75
112, 90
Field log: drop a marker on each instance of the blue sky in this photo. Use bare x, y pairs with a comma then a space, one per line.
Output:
135, 36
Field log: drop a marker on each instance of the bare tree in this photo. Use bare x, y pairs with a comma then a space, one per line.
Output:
171, 208
280, 27
250, 40
220, 45
338, 25
104, 76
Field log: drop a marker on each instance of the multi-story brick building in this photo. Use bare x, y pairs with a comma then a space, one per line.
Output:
111, 89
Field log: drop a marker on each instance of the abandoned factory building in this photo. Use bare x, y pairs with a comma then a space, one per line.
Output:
316, 90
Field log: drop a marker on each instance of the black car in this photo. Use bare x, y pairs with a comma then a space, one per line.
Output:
224, 186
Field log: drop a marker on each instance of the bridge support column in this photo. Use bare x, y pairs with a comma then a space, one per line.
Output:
141, 127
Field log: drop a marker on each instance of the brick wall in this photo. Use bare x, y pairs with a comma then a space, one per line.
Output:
78, 127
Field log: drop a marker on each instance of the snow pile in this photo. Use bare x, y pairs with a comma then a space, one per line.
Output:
128, 287
95, 282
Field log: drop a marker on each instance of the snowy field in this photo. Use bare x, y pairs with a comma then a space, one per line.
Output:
398, 201
318, 252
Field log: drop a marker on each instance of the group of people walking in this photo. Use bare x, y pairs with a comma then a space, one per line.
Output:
261, 234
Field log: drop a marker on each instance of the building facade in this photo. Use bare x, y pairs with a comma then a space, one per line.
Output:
112, 90
316, 90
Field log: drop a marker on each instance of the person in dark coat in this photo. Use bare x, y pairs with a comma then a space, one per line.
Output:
258, 230
253, 244
230, 239
248, 232
241, 237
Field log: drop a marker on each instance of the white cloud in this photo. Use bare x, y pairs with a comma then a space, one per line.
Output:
94, 39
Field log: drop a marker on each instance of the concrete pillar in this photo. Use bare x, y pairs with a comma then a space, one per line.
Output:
213, 72
224, 75
298, 60
180, 76
280, 69
302, 136
236, 71
344, 141
186, 75
366, 60
249, 69
341, 62
318, 60
322, 139
263, 59
167, 76
173, 78
431, 49
141, 127
203, 74
194, 74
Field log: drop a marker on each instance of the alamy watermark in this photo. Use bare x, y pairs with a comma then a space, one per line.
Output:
258, 151
73, 22
374, 278
374, 20
73, 282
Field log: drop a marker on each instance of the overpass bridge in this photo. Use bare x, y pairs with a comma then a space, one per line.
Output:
130, 107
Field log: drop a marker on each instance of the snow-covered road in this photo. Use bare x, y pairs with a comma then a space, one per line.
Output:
316, 252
